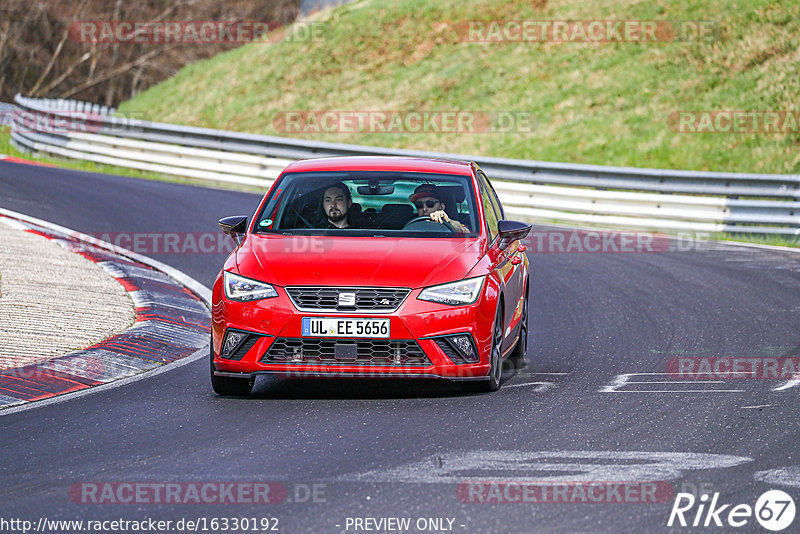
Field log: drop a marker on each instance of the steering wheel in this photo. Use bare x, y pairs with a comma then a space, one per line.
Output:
299, 216
419, 221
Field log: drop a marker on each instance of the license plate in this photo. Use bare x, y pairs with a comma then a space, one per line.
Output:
335, 327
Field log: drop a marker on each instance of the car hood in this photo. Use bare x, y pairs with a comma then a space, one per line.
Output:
356, 261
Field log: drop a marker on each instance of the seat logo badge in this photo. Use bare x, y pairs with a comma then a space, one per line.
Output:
347, 299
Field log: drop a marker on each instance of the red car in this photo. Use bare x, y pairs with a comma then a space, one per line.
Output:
372, 267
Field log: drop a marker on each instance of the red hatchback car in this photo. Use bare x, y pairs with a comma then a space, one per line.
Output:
372, 267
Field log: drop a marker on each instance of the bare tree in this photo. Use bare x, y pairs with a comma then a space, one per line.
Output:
41, 56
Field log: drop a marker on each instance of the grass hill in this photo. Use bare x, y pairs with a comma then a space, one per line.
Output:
611, 103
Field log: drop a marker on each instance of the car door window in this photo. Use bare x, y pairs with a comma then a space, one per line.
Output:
498, 208
488, 207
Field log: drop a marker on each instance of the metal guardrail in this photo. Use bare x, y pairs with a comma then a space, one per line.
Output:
653, 199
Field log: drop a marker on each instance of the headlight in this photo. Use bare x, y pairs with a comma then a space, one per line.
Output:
245, 289
455, 293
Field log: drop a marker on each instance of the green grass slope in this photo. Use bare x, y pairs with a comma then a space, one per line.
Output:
602, 103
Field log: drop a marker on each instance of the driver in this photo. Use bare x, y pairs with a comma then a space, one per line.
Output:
427, 200
336, 203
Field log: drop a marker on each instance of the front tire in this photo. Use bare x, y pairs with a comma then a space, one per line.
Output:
496, 368
495, 359
227, 386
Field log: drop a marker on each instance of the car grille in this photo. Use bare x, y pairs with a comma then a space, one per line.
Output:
326, 299
351, 351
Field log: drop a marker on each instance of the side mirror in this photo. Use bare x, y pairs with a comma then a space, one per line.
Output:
235, 226
511, 231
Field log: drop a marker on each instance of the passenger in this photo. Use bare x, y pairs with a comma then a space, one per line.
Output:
336, 203
427, 200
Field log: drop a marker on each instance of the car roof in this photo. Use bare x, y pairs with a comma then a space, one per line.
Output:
381, 163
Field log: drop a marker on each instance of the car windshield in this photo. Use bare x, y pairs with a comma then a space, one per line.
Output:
370, 203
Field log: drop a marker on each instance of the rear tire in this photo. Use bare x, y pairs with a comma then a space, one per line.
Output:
227, 386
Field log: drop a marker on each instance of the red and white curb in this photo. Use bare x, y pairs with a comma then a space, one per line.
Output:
172, 325
13, 159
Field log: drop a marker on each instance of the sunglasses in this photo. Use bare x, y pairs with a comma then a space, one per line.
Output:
428, 203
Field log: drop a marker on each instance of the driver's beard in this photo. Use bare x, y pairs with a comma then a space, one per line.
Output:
337, 218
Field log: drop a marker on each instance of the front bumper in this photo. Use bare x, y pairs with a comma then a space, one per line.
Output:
276, 321
316, 373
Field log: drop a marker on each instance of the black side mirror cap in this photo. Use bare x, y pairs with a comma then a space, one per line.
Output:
510, 231
234, 226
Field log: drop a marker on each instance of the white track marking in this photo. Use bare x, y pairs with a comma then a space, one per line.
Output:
547, 466
672, 382
683, 391
619, 381
783, 476
623, 380
541, 387
787, 385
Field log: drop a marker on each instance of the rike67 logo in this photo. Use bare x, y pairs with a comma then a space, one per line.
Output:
774, 510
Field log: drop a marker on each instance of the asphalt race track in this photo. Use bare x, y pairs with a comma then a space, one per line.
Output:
596, 404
